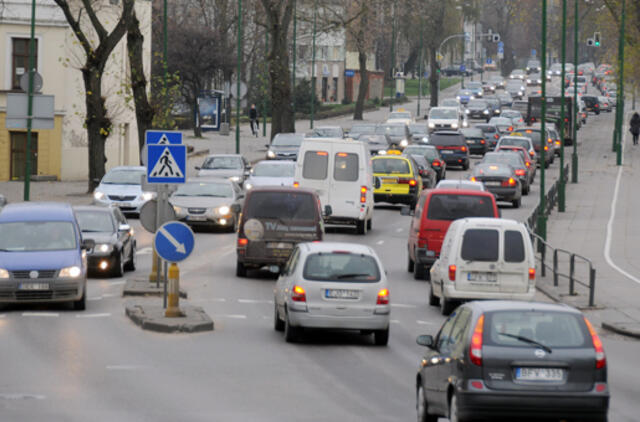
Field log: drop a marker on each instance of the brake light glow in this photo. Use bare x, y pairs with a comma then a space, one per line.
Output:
473, 179
296, 184
482, 141
436, 163
243, 241
413, 182
475, 349
528, 164
510, 182
323, 153
546, 148
452, 272
520, 172
532, 273
601, 360
558, 143
298, 294
383, 297
363, 194
463, 149
342, 154
531, 153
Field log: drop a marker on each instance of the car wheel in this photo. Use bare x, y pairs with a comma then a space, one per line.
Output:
118, 268
446, 306
422, 407
233, 227
81, 304
453, 410
131, 263
410, 263
369, 224
525, 189
361, 227
381, 337
419, 271
433, 299
290, 333
278, 324
241, 270
465, 166
517, 202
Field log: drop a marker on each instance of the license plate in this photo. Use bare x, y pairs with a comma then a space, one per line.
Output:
446, 151
388, 180
482, 277
492, 183
197, 218
125, 204
539, 374
279, 245
341, 294
34, 286
471, 142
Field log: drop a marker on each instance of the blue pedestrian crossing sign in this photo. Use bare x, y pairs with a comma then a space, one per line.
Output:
163, 137
166, 163
174, 241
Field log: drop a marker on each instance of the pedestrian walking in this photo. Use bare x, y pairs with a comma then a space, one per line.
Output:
253, 119
635, 127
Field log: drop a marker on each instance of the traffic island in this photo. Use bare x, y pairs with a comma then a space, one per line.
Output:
152, 318
143, 287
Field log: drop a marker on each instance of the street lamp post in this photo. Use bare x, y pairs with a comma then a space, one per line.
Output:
542, 217
574, 157
561, 190
313, 65
264, 95
393, 54
32, 42
620, 99
238, 69
293, 70
420, 67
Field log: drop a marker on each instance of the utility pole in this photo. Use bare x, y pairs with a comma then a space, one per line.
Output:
293, 72
393, 54
620, 99
264, 96
32, 49
542, 217
313, 65
420, 66
561, 190
238, 69
574, 157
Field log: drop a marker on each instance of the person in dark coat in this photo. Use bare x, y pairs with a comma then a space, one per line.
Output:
635, 127
253, 118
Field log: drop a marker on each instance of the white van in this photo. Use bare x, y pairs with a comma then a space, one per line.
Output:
340, 171
483, 258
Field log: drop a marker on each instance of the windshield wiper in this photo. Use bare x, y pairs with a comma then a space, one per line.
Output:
528, 340
213, 196
91, 231
350, 275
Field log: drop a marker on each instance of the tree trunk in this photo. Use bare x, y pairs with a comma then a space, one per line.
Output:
197, 129
364, 85
282, 120
144, 111
433, 78
410, 64
97, 122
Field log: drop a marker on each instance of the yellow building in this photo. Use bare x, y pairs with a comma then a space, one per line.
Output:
62, 152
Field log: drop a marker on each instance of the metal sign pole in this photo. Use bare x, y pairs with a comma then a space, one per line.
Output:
159, 217
164, 278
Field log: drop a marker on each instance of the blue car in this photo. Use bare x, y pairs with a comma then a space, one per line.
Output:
464, 95
42, 254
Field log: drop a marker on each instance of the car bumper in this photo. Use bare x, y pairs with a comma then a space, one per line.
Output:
57, 290
369, 322
426, 257
477, 148
394, 198
451, 293
455, 160
478, 116
504, 194
205, 221
125, 206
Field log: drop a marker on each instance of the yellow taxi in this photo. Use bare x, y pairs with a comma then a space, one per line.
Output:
397, 180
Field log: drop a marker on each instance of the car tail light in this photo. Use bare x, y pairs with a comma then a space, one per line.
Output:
597, 105
546, 147
383, 297
435, 163
363, 194
558, 143
422, 243
296, 184
532, 273
463, 149
510, 182
413, 182
243, 241
528, 164
532, 153
298, 294
482, 141
473, 179
520, 172
323, 153
510, 129
475, 348
452, 272
601, 360
496, 136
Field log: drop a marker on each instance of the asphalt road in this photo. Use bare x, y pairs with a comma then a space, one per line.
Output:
62, 365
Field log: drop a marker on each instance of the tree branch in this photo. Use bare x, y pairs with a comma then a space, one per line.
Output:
97, 25
75, 26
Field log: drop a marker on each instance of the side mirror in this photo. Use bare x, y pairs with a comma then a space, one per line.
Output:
88, 243
425, 340
124, 227
328, 210
405, 210
197, 167
274, 269
377, 182
235, 208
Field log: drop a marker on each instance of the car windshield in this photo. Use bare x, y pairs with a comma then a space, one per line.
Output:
511, 158
552, 329
451, 207
459, 184
477, 104
443, 113
429, 153
474, 85
516, 142
288, 139
326, 132
465, 93
486, 128
500, 121
123, 177
531, 134
218, 190
472, 132
418, 129
362, 129
31, 236
285, 206
446, 140
222, 163
266, 169
95, 221
492, 169
514, 84
511, 114
400, 115
517, 72
393, 130
341, 266
391, 166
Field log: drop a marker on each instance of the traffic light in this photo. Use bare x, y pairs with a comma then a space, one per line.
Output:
596, 39
495, 37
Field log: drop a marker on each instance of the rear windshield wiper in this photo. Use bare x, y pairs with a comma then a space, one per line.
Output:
528, 340
350, 275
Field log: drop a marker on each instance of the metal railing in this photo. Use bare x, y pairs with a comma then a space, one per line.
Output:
550, 202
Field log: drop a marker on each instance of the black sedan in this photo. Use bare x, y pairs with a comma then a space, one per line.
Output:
478, 109
115, 245
475, 140
501, 180
432, 155
513, 360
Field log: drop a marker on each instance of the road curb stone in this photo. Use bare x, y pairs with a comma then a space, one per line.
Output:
143, 287
151, 317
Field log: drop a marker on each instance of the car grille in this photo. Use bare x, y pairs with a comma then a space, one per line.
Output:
439, 126
122, 197
45, 294
196, 210
41, 274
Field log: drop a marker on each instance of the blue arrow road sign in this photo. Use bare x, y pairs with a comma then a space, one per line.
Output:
500, 44
174, 241
166, 163
462, 68
163, 137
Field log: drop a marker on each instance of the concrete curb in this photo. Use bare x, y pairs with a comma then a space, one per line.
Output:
142, 287
152, 318
198, 153
623, 328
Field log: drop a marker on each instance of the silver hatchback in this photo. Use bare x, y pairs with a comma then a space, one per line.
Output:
333, 286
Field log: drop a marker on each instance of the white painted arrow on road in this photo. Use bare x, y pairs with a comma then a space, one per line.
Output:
179, 246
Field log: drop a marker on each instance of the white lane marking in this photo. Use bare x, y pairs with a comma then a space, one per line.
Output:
109, 295
125, 367
425, 322
41, 314
144, 251
379, 242
117, 283
103, 315
17, 396
395, 321
94, 298
399, 229
612, 215
255, 301
403, 305
233, 316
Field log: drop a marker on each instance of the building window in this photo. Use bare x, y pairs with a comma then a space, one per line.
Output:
20, 59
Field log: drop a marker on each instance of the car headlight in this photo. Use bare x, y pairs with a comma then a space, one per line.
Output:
528, 68
235, 178
432, 125
180, 212
485, 112
458, 97
472, 97
271, 154
382, 152
465, 123
103, 247
454, 125
539, 81
70, 272
425, 139
404, 143
3, 273
98, 195
467, 111
248, 186
147, 196
224, 210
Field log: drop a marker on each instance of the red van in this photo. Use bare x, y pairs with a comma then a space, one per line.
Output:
434, 212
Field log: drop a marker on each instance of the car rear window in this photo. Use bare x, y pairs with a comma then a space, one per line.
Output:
480, 245
341, 266
315, 165
95, 221
552, 329
281, 205
513, 246
391, 166
451, 207
346, 167
446, 140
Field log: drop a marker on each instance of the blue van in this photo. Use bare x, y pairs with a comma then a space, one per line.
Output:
42, 254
